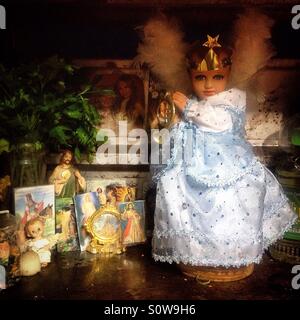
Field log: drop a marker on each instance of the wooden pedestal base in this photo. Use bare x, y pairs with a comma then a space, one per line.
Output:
217, 274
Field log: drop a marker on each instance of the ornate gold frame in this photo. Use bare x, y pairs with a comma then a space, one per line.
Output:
100, 244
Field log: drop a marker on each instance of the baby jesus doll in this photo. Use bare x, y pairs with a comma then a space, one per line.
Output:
217, 206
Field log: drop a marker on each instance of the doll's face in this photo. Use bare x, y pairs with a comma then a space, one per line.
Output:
35, 230
209, 83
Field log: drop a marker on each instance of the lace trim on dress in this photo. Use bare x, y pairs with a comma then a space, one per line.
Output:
276, 206
269, 241
185, 259
202, 238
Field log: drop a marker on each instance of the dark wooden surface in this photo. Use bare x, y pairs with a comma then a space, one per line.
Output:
136, 276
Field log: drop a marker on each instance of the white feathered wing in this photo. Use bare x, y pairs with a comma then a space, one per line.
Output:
164, 51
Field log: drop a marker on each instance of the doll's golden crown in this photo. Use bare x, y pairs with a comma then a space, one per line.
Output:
211, 60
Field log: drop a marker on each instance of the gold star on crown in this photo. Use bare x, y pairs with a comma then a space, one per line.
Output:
212, 42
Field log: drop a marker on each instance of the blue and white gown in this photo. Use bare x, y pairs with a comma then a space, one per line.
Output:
217, 205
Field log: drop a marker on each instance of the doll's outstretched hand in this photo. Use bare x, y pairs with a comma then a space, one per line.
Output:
180, 100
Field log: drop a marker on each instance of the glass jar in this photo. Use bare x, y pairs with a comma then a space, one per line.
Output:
27, 165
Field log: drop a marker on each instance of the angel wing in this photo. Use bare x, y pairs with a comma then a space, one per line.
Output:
252, 46
163, 50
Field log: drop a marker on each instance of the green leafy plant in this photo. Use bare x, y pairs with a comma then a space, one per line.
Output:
38, 103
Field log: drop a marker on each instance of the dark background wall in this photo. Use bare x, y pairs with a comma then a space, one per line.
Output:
108, 29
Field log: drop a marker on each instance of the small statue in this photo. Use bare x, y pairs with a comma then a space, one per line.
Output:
66, 178
34, 230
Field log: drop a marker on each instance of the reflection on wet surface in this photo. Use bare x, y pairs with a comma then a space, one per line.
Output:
135, 275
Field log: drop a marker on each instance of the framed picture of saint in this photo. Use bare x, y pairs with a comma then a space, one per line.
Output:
119, 92
133, 222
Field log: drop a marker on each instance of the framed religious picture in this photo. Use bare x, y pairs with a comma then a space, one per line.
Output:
65, 224
133, 222
126, 193
35, 202
85, 205
106, 188
119, 92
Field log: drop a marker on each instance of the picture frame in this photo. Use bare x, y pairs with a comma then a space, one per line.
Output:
65, 224
85, 205
110, 82
94, 184
106, 232
133, 222
124, 191
32, 202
